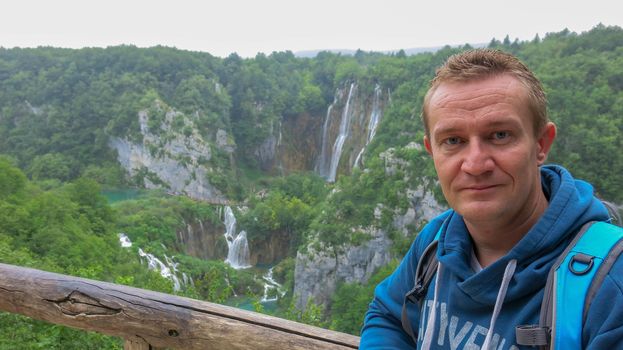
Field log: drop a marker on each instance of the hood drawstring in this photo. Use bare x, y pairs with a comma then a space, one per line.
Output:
432, 315
506, 280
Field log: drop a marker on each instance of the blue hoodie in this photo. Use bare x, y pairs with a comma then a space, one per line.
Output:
466, 299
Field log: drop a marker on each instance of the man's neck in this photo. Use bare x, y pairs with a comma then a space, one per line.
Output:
493, 240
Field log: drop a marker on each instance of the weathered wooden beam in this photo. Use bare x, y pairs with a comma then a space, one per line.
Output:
157, 319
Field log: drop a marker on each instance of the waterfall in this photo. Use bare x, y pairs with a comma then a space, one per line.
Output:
322, 166
124, 240
359, 157
341, 138
238, 254
280, 134
190, 232
373, 123
375, 115
271, 284
167, 270
187, 279
237, 244
201, 226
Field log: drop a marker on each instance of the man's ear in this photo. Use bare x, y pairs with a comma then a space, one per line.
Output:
545, 141
429, 149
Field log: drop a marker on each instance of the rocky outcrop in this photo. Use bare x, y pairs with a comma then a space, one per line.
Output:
317, 273
266, 153
271, 250
299, 143
292, 146
203, 239
174, 158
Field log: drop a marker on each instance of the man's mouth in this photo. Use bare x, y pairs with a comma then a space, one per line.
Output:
479, 187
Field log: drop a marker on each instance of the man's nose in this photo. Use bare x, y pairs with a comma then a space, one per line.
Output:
477, 159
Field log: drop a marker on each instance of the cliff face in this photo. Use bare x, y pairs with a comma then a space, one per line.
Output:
300, 143
328, 144
317, 273
271, 250
349, 125
174, 158
203, 240
174, 155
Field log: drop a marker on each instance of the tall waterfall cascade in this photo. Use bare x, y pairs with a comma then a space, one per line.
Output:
341, 137
322, 166
350, 125
238, 255
373, 123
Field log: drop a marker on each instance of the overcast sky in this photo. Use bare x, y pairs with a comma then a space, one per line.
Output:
251, 26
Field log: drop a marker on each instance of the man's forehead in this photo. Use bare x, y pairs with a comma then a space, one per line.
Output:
473, 93
492, 102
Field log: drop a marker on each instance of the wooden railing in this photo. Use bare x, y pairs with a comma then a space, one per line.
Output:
149, 320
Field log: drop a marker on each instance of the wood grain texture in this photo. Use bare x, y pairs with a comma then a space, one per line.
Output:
157, 319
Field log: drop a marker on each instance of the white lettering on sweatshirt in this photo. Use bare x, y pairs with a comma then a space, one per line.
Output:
455, 332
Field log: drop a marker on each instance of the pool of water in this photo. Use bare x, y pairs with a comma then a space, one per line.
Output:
114, 196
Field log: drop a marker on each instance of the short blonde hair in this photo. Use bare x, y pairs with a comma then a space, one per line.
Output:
482, 63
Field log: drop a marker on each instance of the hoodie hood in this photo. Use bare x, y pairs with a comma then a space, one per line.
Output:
571, 204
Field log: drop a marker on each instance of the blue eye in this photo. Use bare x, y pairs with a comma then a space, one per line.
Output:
500, 135
452, 141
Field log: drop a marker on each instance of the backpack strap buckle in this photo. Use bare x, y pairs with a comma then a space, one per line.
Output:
418, 292
582, 259
533, 335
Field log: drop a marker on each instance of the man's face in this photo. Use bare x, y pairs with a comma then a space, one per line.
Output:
485, 150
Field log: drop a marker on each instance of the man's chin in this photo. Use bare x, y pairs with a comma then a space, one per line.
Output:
480, 212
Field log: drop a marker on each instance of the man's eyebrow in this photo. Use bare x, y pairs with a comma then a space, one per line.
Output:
501, 122
447, 129
450, 127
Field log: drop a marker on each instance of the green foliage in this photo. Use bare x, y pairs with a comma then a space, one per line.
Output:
108, 175
12, 180
288, 207
350, 302
22, 333
152, 221
51, 166
313, 314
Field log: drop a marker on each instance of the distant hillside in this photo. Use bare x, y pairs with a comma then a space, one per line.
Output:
350, 52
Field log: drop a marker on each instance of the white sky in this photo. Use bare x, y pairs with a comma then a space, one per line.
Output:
251, 26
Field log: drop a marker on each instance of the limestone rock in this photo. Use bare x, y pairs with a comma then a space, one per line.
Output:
169, 158
317, 274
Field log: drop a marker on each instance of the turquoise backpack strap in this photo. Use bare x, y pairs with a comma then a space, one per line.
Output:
573, 278
576, 276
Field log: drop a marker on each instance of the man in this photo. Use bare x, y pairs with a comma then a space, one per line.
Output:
488, 134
